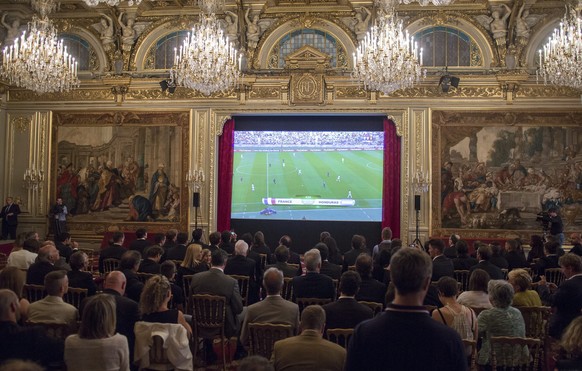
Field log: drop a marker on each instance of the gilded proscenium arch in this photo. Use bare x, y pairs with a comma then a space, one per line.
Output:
539, 38
95, 43
400, 118
321, 24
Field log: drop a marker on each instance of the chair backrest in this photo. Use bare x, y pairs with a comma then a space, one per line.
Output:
305, 302
208, 312
554, 275
110, 264
55, 330
158, 354
477, 310
186, 280
287, 290
3, 260
243, 286
536, 321
336, 286
75, 296
295, 266
462, 277
33, 292
264, 335
515, 353
472, 345
263, 261
143, 277
340, 336
376, 307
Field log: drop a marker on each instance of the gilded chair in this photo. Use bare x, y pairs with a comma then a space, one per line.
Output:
144, 277
208, 319
264, 335
305, 302
186, 279
554, 275
263, 261
515, 353
33, 292
536, 321
462, 277
75, 296
110, 264
243, 286
287, 291
472, 345
376, 307
340, 336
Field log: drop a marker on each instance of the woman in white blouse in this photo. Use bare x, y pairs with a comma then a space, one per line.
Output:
97, 347
476, 296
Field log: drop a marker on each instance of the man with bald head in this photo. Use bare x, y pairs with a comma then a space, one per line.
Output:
273, 309
29, 343
48, 255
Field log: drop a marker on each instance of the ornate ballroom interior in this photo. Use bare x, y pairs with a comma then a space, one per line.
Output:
296, 59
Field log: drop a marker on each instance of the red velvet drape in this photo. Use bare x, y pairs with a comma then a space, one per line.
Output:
391, 189
224, 191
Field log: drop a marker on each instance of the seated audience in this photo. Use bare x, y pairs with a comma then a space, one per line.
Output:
334, 271
114, 251
313, 284
214, 240
358, 247
294, 257
192, 262
141, 241
52, 308
346, 312
239, 264
48, 255
386, 236
151, 264
550, 260
23, 257
501, 320
524, 296
441, 265
457, 316
497, 258
404, 337
168, 270
226, 241
97, 347
576, 241
476, 296
571, 344
381, 262
370, 289
27, 343
309, 350
484, 254
514, 255
536, 248
78, 276
259, 246
335, 255
129, 266
451, 251
463, 261
281, 258
206, 257
13, 279
272, 309
178, 252
65, 245
171, 239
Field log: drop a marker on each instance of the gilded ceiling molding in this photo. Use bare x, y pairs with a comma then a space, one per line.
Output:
119, 118
436, 92
217, 125
397, 120
82, 95
21, 123
350, 92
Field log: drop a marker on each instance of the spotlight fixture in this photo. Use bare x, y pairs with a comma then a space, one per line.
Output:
447, 80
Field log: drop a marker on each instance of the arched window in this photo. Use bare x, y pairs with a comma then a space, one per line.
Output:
161, 55
81, 50
318, 39
447, 46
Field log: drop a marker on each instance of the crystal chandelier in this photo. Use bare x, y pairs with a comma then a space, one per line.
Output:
428, 2
388, 58
33, 179
560, 62
111, 2
207, 61
38, 61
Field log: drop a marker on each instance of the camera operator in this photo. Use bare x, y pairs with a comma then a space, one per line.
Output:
59, 215
556, 225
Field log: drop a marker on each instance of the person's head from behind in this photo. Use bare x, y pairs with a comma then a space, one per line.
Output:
56, 283
141, 233
259, 239
118, 237
116, 281
241, 248
31, 245
248, 238
9, 306
519, 279
48, 253
171, 235
214, 238
551, 248
323, 250
484, 252
350, 283
219, 258
20, 365
496, 249
312, 260
570, 264
273, 281
323, 235
98, 321
462, 248
285, 241
159, 239
386, 234
479, 280
358, 242
168, 269
155, 295
182, 238
154, 253
282, 254
512, 245
78, 261
196, 235
12, 278
313, 318
410, 271
572, 337
63, 237
436, 247
447, 287
130, 260
500, 293
225, 237
364, 265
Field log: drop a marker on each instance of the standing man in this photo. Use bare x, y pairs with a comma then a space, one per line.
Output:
59, 212
556, 225
9, 215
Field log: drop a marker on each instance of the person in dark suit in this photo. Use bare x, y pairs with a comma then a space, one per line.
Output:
170, 241
406, 321
215, 282
240, 265
309, 350
281, 257
483, 255
565, 299
197, 235
576, 241
78, 276
214, 240
498, 258
451, 251
141, 243
179, 251
514, 255
9, 216
441, 265
369, 288
151, 264
294, 258
129, 265
463, 261
48, 255
65, 245
358, 247
115, 250
334, 271
346, 312
550, 260
313, 284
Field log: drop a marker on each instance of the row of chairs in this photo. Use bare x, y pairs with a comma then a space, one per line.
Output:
553, 275
74, 296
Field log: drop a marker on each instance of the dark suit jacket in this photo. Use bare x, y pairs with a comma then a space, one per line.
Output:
12, 219
228, 247
288, 271
134, 286
550, 261
149, 266
450, 252
351, 256
567, 301
346, 313
215, 282
83, 280
499, 261
65, 251
176, 253
243, 266
371, 290
442, 267
140, 245
332, 270
494, 271
37, 271
113, 251
313, 285
516, 259
464, 263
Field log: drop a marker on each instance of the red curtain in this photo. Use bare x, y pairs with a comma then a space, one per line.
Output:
391, 190
224, 191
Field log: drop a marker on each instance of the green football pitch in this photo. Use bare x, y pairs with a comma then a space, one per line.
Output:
308, 175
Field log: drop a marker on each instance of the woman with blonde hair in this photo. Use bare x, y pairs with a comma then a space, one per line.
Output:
153, 303
206, 257
191, 264
13, 279
524, 296
97, 347
571, 345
